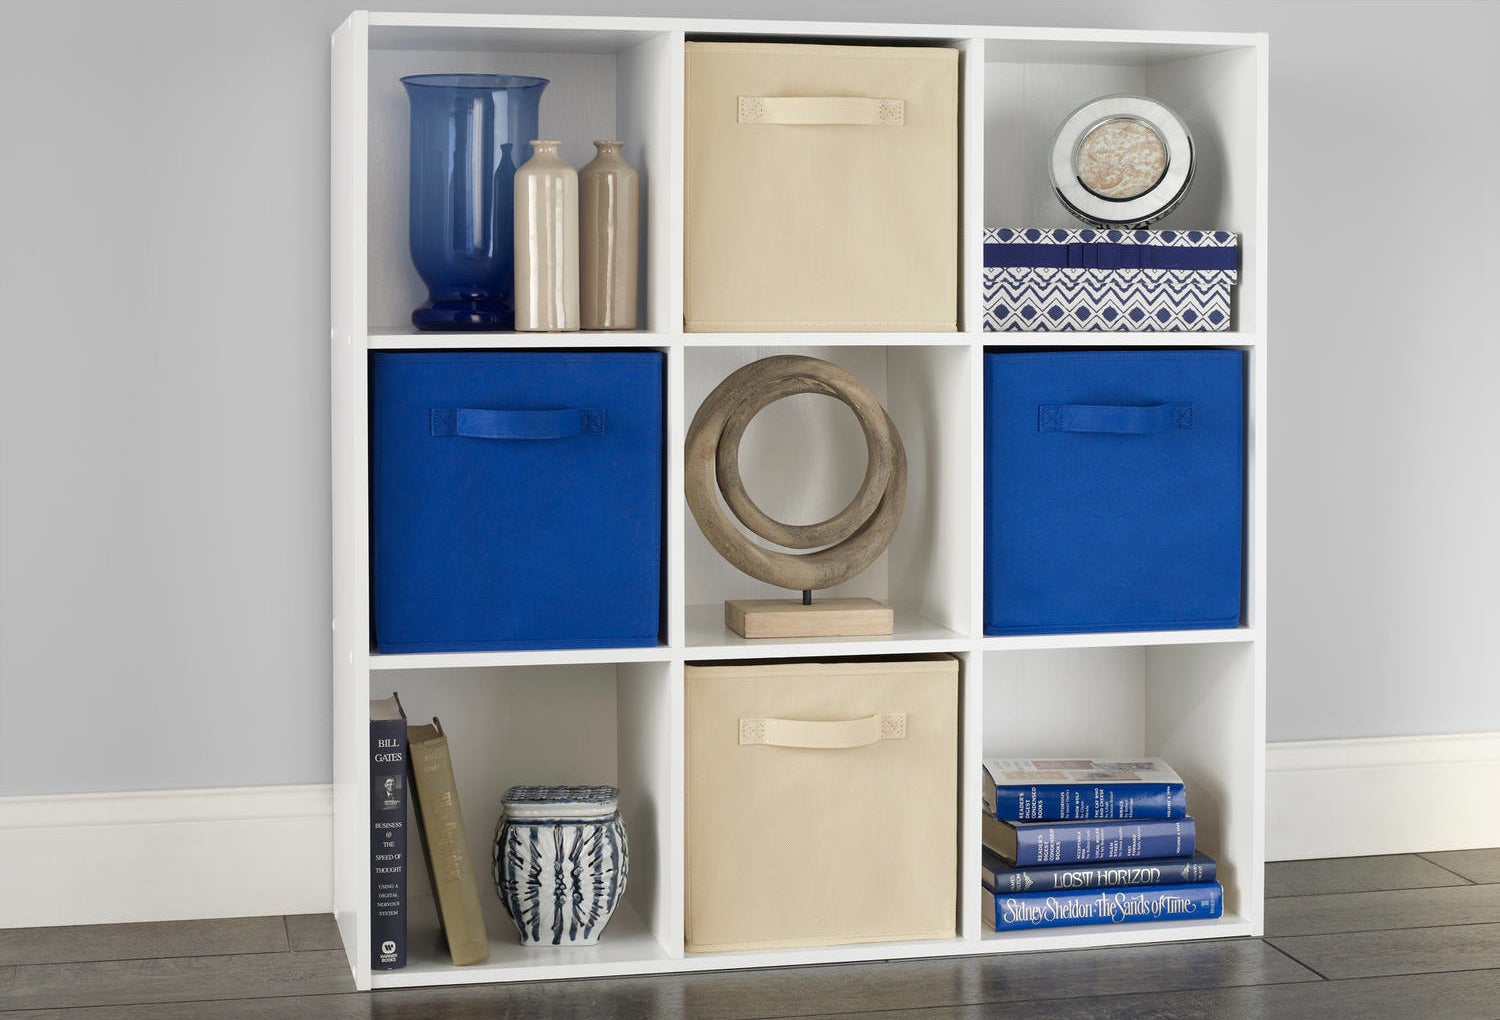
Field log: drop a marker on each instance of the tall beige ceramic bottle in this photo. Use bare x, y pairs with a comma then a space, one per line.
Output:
609, 196
546, 242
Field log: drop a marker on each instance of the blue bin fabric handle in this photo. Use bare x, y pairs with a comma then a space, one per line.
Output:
482, 423
1117, 419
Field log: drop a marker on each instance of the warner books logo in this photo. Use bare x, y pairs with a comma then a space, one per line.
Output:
388, 951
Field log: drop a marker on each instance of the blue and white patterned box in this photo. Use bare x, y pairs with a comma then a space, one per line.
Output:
1108, 280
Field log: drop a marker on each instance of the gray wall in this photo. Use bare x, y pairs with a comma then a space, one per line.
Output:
164, 537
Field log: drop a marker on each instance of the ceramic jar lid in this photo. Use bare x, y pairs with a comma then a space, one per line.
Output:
1122, 161
561, 802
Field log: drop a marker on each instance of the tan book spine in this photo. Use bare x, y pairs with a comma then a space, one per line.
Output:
445, 842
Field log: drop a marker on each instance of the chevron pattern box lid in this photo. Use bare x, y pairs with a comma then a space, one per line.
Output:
1108, 280
1059, 248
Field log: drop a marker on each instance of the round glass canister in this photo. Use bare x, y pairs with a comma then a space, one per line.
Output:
469, 133
560, 862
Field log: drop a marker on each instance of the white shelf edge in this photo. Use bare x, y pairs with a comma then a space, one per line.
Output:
410, 340
989, 943
520, 657
821, 647
1134, 933
816, 339
857, 952
442, 976
915, 635
1118, 639
922, 637
389, 339
1246, 340
850, 29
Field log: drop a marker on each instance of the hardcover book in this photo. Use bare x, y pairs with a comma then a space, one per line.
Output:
999, 876
445, 844
1035, 789
1193, 901
387, 835
1028, 843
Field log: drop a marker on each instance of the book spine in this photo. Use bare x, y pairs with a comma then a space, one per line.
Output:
444, 840
388, 844
1001, 877
1023, 911
1087, 801
1087, 843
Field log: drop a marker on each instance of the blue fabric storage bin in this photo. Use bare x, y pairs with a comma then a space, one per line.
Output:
516, 500
1114, 490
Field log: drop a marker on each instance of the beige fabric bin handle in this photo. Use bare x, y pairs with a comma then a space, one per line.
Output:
822, 110
837, 734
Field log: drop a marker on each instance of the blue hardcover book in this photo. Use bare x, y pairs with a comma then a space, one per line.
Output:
1194, 901
388, 795
1036, 789
1002, 877
1026, 843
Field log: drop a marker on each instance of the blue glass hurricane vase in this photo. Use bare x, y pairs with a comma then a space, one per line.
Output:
469, 133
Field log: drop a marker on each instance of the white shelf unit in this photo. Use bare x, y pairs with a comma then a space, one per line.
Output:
616, 715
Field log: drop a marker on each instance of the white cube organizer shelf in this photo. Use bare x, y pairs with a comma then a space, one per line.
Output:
1196, 698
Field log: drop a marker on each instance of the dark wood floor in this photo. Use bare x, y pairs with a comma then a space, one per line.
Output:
1366, 937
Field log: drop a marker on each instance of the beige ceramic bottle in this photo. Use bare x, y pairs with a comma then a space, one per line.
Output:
546, 242
609, 195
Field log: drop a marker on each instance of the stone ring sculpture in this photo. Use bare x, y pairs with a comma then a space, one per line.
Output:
847, 542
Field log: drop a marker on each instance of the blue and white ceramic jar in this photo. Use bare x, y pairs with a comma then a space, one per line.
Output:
560, 862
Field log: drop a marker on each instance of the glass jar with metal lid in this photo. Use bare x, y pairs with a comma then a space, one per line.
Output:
1122, 161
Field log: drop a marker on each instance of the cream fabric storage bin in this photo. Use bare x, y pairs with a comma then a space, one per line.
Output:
822, 803
821, 188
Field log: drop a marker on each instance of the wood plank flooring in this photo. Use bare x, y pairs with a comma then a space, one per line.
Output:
1377, 938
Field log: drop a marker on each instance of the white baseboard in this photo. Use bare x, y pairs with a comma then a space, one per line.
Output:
165, 855
1383, 795
177, 854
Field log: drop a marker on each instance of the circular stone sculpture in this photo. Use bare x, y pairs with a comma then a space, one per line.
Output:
848, 541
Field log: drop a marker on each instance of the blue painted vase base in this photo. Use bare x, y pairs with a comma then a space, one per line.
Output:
487, 316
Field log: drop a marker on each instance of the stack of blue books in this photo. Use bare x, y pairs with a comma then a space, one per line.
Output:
1071, 841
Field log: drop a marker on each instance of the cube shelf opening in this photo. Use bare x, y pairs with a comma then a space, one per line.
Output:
1185, 703
582, 724
802, 459
1031, 86
602, 85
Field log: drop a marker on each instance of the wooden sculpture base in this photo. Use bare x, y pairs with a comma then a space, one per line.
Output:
789, 618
